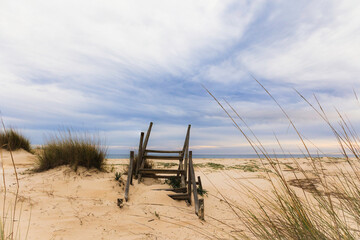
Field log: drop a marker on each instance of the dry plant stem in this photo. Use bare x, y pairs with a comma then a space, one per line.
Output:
321, 220
339, 138
17, 186
224, 198
247, 126
286, 115
307, 150
356, 96
237, 126
4, 182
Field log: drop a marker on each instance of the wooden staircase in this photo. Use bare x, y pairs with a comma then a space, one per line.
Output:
185, 171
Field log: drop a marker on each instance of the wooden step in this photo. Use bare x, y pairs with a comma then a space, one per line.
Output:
177, 190
158, 176
162, 151
179, 196
163, 157
164, 171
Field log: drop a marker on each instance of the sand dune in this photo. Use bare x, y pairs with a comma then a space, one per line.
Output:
83, 205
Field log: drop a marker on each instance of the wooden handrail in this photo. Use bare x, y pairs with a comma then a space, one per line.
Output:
189, 185
193, 183
143, 148
147, 137
140, 154
187, 138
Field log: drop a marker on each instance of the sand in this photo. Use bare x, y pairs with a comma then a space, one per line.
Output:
63, 204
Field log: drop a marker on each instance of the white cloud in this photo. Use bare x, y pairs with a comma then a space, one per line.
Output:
305, 45
118, 64
67, 39
318, 53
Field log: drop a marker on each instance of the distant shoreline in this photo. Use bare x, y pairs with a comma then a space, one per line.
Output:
232, 156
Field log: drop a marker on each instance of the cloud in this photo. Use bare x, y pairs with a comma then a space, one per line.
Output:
319, 44
114, 66
71, 40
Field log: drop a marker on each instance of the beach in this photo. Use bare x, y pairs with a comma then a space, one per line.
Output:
63, 204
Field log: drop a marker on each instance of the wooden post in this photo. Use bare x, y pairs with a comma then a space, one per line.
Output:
185, 155
201, 209
193, 182
200, 184
186, 163
129, 178
189, 185
131, 166
147, 137
143, 149
140, 154
186, 143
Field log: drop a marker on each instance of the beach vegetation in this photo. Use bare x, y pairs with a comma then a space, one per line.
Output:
174, 182
202, 191
167, 165
216, 166
69, 148
327, 205
11, 139
11, 214
117, 176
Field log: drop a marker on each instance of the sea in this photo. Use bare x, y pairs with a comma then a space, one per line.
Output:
228, 156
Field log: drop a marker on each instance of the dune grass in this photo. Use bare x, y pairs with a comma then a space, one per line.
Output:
9, 220
11, 139
331, 210
69, 148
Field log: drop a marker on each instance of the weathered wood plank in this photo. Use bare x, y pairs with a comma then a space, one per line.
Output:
162, 151
177, 190
129, 176
199, 183
179, 196
201, 212
193, 182
189, 185
140, 153
166, 171
185, 155
162, 157
157, 176
147, 137
144, 148
187, 138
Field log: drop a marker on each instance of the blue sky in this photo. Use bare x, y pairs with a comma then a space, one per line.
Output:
111, 67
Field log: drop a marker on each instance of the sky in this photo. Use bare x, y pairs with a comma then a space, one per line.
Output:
110, 67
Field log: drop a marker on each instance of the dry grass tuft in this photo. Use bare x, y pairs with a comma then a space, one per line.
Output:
11, 140
71, 149
9, 221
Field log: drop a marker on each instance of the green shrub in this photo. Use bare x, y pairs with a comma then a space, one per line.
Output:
117, 176
13, 140
174, 182
67, 149
202, 191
